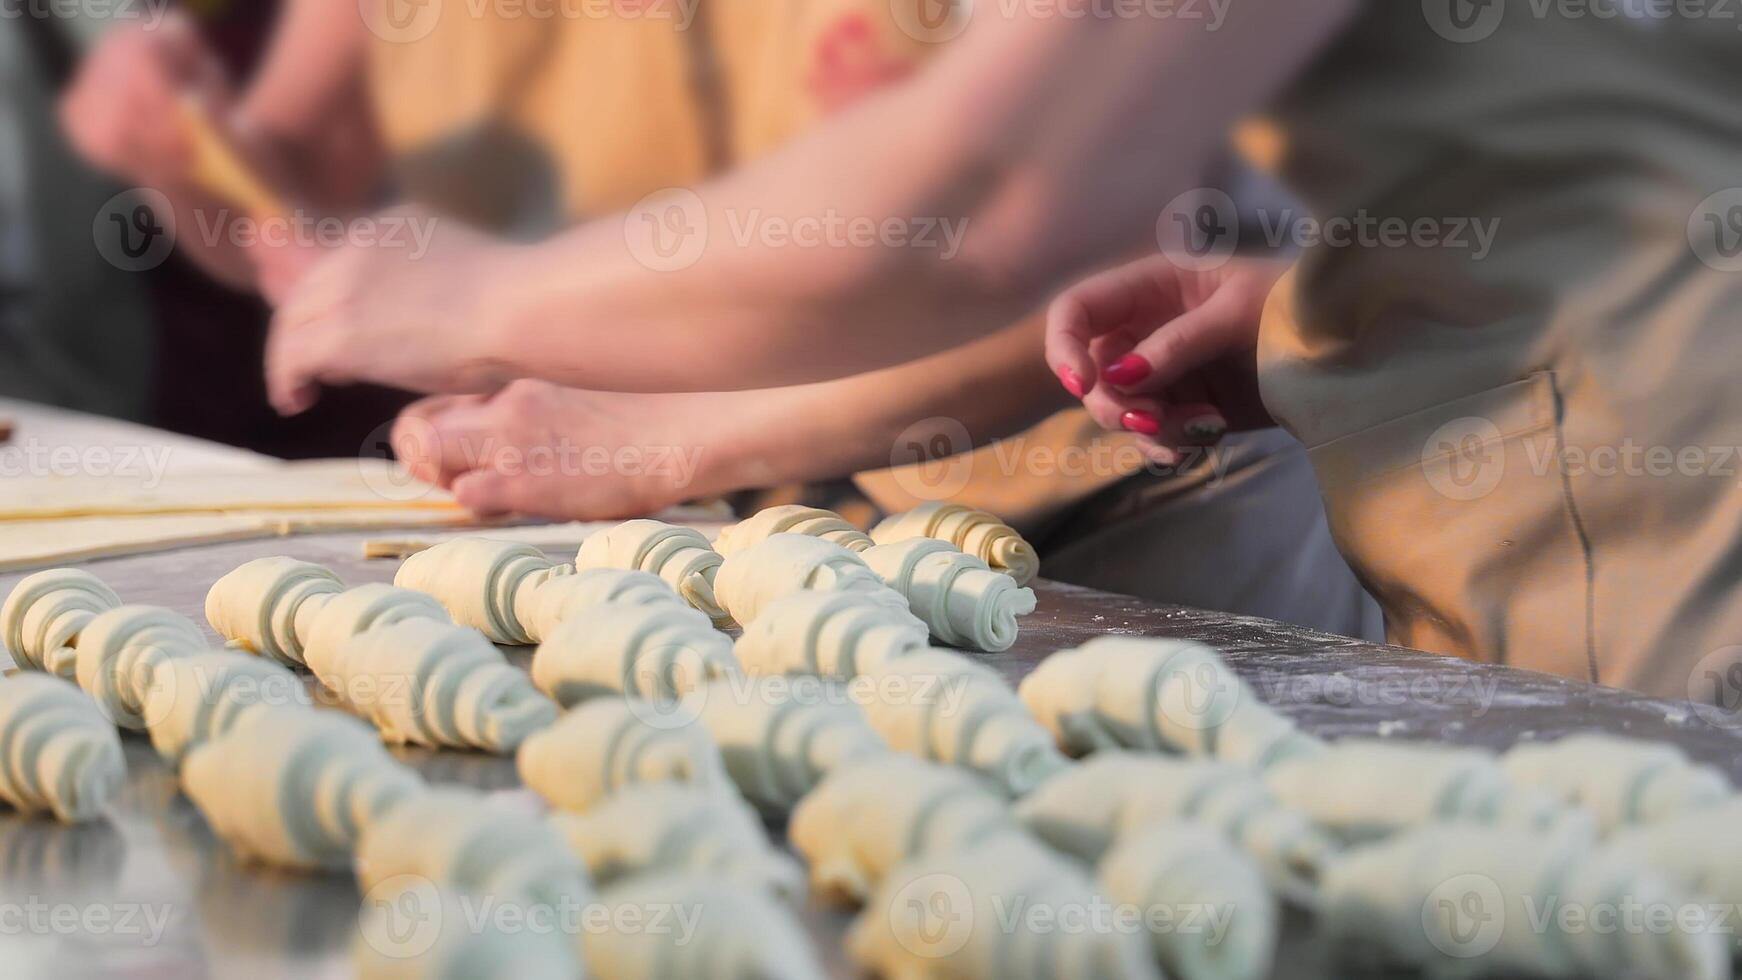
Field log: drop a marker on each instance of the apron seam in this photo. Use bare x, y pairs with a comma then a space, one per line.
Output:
1579, 530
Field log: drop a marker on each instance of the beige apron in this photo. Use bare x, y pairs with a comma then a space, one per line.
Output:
1526, 451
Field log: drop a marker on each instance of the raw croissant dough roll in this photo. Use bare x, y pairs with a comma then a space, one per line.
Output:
657, 652
948, 915
679, 555
412, 929
940, 705
791, 519
837, 635
437, 684
200, 697
778, 739
291, 787
1699, 850
44, 613
1622, 781
1364, 789
974, 531
566, 596
1157, 696
120, 652
671, 827
458, 839
1085, 810
696, 927
1177, 871
787, 564
300, 614
1469, 900
59, 754
485, 584
964, 602
610, 743
870, 815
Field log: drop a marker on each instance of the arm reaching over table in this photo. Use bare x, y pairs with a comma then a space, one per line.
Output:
1051, 143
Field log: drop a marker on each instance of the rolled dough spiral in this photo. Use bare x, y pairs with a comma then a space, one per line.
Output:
258, 606
61, 756
718, 929
657, 652
44, 613
779, 739
679, 555
837, 635
393, 942
1363, 789
1468, 900
939, 705
781, 565
461, 840
1157, 696
610, 743
1085, 810
1699, 850
485, 584
120, 652
292, 787
963, 601
948, 915
1177, 869
872, 814
791, 519
437, 684
1622, 781
330, 621
974, 531
672, 827
197, 698
564, 596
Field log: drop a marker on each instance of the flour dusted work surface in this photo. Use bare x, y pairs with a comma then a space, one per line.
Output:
151, 845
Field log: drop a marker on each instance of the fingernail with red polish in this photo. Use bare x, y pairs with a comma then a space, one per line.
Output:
1142, 423
1205, 428
1072, 382
1130, 370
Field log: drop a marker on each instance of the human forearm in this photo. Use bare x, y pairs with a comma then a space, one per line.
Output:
1016, 137
987, 389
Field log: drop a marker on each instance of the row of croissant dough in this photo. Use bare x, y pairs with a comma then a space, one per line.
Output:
1134, 799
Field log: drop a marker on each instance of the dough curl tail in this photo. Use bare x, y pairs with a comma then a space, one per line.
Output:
43, 615
961, 599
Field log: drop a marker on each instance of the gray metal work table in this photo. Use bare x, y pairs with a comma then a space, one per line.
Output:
149, 893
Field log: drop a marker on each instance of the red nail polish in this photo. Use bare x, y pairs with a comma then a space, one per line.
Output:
1130, 370
1072, 383
1142, 423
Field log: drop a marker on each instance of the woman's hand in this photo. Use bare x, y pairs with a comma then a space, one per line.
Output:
543, 450
1165, 352
406, 301
122, 111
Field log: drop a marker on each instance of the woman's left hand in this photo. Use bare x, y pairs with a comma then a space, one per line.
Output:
404, 301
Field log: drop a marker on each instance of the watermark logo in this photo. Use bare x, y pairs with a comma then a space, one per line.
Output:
931, 460
402, 916
1715, 688
134, 231
667, 230
1715, 230
932, 916
400, 21
382, 472
932, 21
1464, 459
1199, 230
1464, 917
1464, 21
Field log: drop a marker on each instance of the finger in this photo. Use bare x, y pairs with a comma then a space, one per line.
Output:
465, 436
1096, 306
1185, 343
489, 493
298, 359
